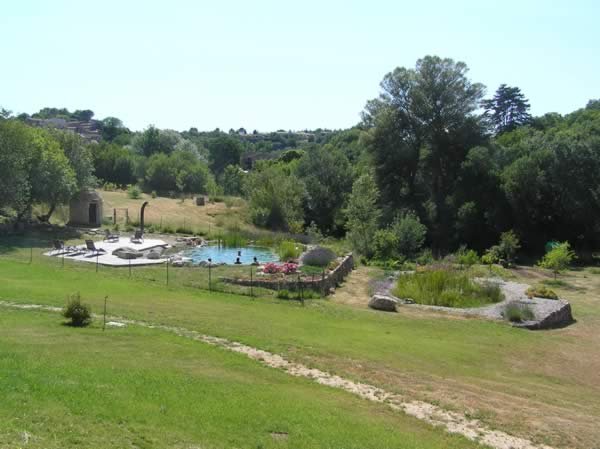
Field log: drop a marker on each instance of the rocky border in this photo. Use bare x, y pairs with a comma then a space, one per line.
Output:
548, 313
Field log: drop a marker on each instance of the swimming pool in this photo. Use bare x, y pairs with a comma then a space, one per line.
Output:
220, 254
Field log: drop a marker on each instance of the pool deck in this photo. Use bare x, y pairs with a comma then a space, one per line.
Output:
107, 258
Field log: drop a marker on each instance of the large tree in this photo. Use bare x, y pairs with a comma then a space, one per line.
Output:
223, 151
507, 110
422, 126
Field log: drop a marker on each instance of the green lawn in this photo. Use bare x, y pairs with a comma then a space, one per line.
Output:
541, 385
63, 387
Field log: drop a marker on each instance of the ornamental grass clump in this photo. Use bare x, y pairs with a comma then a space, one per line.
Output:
446, 288
79, 314
318, 257
289, 250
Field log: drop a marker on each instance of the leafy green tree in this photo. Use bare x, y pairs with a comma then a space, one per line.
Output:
507, 110
421, 129
362, 215
52, 179
558, 258
83, 115
113, 163
327, 175
5, 114
149, 142
112, 127
160, 173
15, 158
223, 151
275, 198
232, 180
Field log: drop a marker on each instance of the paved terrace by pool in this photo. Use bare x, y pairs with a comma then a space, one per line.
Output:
107, 258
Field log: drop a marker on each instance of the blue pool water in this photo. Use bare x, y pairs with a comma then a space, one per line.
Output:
229, 255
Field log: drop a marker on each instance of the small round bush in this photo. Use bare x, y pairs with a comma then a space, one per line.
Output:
318, 257
79, 314
541, 292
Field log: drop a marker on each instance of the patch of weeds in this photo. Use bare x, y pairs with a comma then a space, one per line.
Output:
517, 313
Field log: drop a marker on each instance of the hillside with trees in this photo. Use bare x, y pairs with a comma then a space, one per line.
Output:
433, 157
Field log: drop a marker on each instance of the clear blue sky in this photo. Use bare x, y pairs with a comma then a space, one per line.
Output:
273, 64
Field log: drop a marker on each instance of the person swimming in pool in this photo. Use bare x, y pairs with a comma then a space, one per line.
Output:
238, 261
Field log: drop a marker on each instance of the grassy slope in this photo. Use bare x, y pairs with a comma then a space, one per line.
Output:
63, 387
531, 380
174, 213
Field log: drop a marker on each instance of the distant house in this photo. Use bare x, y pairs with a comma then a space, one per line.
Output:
88, 130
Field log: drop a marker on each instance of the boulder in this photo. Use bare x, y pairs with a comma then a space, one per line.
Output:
127, 253
385, 303
154, 255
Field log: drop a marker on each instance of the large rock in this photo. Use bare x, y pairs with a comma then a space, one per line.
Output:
154, 255
385, 303
127, 253
548, 313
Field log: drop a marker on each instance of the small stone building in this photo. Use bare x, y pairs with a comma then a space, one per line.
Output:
86, 209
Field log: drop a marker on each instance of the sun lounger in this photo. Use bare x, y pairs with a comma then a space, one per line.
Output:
61, 249
110, 237
138, 237
91, 248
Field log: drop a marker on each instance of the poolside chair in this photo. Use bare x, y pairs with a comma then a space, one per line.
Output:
138, 237
91, 247
110, 237
60, 248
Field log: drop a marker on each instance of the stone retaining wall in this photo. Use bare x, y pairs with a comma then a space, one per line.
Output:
319, 283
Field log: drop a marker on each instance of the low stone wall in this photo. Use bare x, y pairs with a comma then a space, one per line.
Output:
322, 284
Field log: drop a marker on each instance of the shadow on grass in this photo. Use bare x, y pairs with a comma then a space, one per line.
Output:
39, 238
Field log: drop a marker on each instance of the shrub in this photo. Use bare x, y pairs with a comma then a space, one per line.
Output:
517, 313
79, 314
541, 292
467, 257
425, 257
558, 258
289, 250
446, 288
318, 257
384, 244
154, 195
134, 192
289, 268
410, 234
505, 251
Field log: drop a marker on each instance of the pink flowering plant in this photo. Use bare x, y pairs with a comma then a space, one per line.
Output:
271, 268
289, 268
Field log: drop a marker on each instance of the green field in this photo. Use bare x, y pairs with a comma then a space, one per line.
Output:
541, 385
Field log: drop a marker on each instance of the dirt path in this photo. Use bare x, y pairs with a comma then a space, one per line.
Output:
453, 422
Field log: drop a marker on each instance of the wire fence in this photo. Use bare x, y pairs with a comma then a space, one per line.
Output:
208, 278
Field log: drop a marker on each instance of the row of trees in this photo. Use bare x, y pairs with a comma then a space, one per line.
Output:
432, 158
435, 160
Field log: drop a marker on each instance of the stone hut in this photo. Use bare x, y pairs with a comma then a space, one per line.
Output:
86, 209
